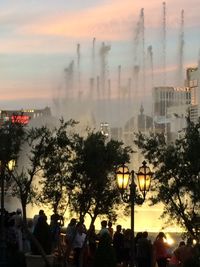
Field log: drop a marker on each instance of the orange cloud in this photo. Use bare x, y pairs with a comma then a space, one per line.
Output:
113, 20
25, 90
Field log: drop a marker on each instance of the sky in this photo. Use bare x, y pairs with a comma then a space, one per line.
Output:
39, 39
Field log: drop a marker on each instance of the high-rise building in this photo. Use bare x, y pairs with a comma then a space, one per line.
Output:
170, 106
192, 81
168, 96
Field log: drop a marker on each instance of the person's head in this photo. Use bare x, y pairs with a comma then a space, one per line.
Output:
41, 212
73, 222
138, 236
118, 228
161, 235
145, 234
104, 224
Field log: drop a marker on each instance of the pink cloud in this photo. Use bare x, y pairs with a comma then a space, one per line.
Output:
10, 94
25, 90
112, 21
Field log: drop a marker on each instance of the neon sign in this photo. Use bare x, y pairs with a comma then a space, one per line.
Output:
23, 119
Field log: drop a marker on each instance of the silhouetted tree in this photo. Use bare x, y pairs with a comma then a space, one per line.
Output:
176, 181
92, 183
25, 145
56, 163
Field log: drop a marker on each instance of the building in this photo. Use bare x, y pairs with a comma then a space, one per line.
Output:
23, 116
171, 105
192, 77
165, 97
192, 81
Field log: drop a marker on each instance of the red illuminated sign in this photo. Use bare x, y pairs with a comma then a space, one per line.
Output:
23, 119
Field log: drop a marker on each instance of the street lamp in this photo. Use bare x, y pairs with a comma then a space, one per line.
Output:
3, 167
144, 180
11, 165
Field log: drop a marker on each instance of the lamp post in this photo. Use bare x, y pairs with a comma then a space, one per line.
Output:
3, 166
144, 180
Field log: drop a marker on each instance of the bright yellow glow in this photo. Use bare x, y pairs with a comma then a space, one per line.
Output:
122, 176
141, 182
148, 181
144, 177
11, 165
28, 110
144, 182
169, 240
141, 215
194, 241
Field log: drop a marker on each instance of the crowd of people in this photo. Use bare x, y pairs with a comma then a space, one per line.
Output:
107, 247
18, 241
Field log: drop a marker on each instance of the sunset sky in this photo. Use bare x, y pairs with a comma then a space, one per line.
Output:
39, 38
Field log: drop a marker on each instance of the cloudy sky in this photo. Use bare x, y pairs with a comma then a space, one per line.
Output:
38, 41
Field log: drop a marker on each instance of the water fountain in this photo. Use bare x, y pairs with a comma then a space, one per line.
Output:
112, 96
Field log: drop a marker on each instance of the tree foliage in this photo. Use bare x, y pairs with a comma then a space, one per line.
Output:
92, 183
56, 162
176, 182
28, 167
11, 136
70, 168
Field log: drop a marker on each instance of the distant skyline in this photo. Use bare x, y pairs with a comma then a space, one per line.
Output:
38, 41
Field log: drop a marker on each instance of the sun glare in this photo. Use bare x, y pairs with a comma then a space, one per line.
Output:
169, 240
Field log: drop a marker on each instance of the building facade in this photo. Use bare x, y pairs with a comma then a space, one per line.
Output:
192, 81
23, 116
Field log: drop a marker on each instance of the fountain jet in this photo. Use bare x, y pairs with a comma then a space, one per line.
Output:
181, 51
